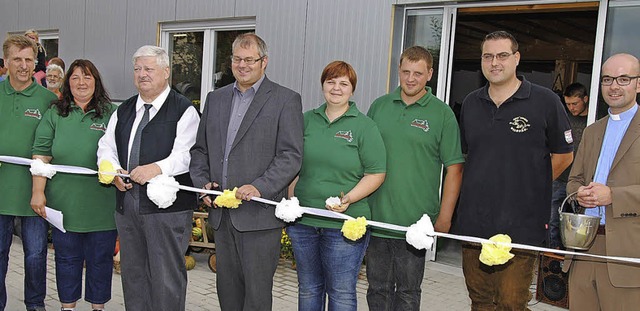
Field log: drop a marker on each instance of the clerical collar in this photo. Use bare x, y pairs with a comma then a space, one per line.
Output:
624, 115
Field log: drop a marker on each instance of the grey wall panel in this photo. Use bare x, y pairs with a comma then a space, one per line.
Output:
248, 7
68, 16
142, 17
201, 9
343, 30
303, 36
281, 23
105, 44
33, 14
8, 17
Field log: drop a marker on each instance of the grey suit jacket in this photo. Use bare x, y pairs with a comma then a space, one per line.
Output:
266, 153
623, 215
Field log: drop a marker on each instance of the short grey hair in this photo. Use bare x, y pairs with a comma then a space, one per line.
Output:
152, 51
248, 39
54, 67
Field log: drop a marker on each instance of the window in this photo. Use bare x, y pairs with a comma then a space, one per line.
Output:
49, 41
620, 33
199, 53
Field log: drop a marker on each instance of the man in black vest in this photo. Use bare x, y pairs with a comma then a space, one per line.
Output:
151, 134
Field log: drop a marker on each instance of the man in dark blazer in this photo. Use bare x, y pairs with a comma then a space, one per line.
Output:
250, 137
606, 175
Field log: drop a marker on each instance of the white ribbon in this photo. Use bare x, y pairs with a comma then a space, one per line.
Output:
335, 215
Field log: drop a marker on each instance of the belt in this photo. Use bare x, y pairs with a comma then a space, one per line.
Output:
601, 230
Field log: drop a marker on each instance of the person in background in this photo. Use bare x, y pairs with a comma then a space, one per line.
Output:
22, 104
68, 135
55, 76
151, 134
518, 140
57, 61
576, 99
421, 137
343, 153
3, 70
606, 175
41, 67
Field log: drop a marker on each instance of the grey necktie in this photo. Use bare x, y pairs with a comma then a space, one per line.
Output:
134, 155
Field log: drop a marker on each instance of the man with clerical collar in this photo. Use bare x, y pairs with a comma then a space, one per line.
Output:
606, 176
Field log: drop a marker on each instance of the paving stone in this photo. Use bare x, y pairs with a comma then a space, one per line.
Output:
443, 287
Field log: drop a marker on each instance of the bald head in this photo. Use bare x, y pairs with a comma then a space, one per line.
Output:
621, 72
623, 59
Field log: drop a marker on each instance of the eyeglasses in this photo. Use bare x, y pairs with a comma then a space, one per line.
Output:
621, 80
500, 56
248, 60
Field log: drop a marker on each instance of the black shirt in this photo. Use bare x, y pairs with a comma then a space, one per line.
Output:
506, 186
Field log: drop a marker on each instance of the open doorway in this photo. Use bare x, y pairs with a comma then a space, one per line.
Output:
556, 44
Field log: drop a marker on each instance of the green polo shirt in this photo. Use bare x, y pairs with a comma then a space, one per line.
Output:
86, 204
336, 156
20, 113
420, 139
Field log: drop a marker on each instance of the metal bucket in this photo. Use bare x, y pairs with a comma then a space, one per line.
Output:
576, 230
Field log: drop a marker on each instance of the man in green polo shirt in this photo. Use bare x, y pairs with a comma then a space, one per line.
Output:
22, 104
421, 136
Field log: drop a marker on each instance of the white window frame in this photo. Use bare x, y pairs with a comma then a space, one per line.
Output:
210, 29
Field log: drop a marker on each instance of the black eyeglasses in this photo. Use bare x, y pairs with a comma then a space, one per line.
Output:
248, 60
500, 56
621, 80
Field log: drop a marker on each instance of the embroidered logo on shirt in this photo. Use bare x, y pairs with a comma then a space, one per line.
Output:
34, 113
346, 135
568, 137
421, 124
98, 127
520, 124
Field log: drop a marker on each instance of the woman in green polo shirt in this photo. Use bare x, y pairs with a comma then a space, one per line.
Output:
344, 155
68, 134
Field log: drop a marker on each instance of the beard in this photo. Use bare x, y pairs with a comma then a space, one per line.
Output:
54, 86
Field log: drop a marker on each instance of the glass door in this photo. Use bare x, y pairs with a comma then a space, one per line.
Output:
185, 56
429, 28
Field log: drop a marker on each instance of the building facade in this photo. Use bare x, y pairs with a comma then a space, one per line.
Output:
561, 41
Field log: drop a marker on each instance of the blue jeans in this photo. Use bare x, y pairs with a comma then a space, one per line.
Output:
395, 270
73, 249
557, 196
327, 264
34, 243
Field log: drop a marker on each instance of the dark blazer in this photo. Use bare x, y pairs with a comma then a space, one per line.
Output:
266, 153
623, 215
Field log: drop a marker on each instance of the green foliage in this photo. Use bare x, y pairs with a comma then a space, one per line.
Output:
286, 249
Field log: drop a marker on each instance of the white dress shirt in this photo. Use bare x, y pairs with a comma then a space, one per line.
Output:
178, 161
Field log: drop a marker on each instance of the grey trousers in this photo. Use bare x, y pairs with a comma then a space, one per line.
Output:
154, 276
246, 264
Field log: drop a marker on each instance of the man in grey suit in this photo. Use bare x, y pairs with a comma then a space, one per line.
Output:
250, 137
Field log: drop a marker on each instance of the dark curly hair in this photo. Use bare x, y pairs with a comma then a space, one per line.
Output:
100, 102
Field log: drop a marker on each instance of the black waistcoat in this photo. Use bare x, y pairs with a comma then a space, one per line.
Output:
156, 143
